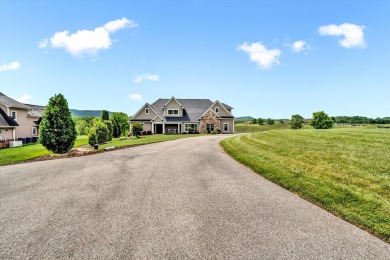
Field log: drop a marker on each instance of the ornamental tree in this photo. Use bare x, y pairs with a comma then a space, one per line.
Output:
321, 120
136, 129
57, 128
296, 121
105, 115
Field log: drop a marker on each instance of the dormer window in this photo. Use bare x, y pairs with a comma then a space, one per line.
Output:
173, 111
146, 110
217, 110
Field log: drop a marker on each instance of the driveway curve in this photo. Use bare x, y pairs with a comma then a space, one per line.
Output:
182, 199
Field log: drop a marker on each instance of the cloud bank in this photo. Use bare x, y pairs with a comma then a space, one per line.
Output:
24, 99
353, 34
258, 53
87, 41
143, 77
15, 65
299, 46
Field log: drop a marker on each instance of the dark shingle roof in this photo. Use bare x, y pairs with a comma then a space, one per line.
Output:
12, 102
6, 120
194, 108
37, 111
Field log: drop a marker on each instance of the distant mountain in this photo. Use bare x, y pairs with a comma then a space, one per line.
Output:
83, 113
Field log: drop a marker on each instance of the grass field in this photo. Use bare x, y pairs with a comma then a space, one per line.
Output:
251, 128
32, 151
344, 170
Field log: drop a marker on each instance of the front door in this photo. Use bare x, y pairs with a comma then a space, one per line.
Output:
158, 128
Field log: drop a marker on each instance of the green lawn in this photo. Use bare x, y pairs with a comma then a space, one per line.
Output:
146, 139
344, 170
31, 151
251, 128
28, 152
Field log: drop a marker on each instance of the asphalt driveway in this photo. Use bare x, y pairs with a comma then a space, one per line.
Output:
173, 200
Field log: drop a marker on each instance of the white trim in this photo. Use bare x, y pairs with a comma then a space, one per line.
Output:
159, 117
173, 113
16, 114
227, 130
220, 105
195, 124
142, 109
36, 131
171, 100
210, 109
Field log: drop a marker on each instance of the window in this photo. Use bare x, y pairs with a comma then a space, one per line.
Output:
210, 127
217, 110
190, 127
34, 131
173, 111
14, 114
146, 110
226, 127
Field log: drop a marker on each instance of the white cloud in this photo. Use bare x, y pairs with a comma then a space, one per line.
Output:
43, 44
137, 97
87, 41
353, 34
24, 99
299, 46
114, 26
143, 77
15, 65
258, 53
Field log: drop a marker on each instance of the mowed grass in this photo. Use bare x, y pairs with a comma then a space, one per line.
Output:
345, 171
32, 151
251, 128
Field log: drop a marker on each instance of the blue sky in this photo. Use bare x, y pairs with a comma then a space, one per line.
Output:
264, 58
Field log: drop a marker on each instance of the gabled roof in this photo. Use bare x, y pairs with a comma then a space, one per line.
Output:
194, 109
37, 111
141, 109
173, 98
223, 107
6, 121
9, 102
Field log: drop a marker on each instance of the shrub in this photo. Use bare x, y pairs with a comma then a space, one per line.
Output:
296, 121
110, 130
218, 131
57, 128
148, 132
213, 132
196, 132
321, 120
260, 121
184, 133
270, 121
136, 129
144, 132
101, 133
92, 137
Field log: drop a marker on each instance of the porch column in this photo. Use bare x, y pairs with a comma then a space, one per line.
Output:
178, 128
163, 125
13, 134
152, 127
130, 127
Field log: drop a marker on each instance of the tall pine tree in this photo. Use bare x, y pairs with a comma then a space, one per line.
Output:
57, 128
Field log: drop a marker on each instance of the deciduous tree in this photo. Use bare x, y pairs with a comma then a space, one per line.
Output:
321, 120
296, 121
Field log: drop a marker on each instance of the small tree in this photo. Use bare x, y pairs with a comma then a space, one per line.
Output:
110, 130
296, 121
321, 120
254, 121
260, 121
92, 137
101, 133
136, 129
270, 121
120, 123
57, 128
105, 115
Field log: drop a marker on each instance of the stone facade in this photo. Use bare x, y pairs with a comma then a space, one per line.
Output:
209, 118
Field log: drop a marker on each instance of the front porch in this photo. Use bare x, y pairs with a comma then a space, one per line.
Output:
164, 128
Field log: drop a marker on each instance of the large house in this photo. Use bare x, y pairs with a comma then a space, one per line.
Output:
18, 120
185, 115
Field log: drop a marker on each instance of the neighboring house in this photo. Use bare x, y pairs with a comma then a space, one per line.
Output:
185, 115
18, 120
